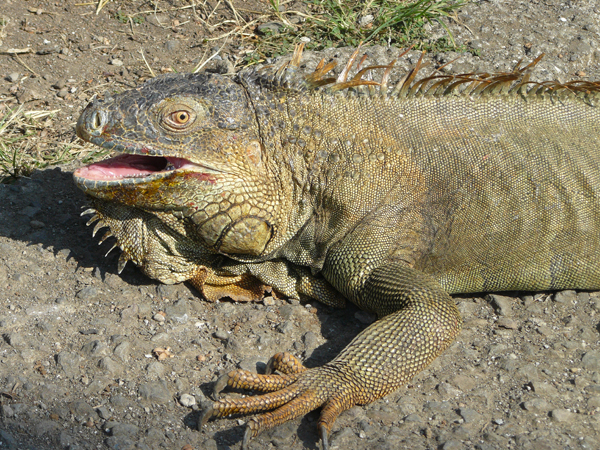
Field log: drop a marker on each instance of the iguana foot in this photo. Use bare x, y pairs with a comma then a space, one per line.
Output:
294, 393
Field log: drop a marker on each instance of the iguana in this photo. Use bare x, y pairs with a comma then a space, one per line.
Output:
394, 197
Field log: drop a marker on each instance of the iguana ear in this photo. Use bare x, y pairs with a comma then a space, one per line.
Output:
254, 153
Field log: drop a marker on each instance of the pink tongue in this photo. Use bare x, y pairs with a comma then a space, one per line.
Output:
123, 166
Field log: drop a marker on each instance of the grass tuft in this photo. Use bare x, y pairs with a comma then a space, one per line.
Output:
346, 23
27, 142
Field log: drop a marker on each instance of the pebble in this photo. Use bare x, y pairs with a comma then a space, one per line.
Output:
509, 324
95, 349
537, 405
111, 366
271, 28
37, 224
501, 304
155, 392
87, 293
222, 335
69, 363
116, 62
82, 411
591, 360
119, 443
103, 412
565, 297
269, 301
123, 429
469, 415
562, 415
13, 77
119, 401
172, 45
155, 370
187, 400
178, 312
122, 351
159, 317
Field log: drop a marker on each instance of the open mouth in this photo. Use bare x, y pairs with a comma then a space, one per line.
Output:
127, 166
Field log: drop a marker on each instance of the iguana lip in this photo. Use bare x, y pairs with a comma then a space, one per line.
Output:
134, 168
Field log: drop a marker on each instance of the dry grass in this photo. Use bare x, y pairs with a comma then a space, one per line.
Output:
28, 141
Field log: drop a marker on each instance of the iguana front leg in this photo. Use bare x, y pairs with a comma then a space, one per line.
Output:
418, 321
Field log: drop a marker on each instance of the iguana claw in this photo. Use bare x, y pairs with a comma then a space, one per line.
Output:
219, 385
324, 433
206, 415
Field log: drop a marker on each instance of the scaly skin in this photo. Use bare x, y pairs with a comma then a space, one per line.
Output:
396, 198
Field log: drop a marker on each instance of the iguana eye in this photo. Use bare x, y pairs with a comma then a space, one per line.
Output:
178, 120
180, 117
180, 114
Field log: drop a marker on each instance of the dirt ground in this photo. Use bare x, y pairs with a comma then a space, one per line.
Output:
78, 366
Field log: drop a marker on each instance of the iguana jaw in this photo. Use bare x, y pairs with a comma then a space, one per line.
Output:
135, 169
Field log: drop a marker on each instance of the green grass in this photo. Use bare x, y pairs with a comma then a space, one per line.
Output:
337, 23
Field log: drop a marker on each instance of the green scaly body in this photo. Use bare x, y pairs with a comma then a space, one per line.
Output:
395, 198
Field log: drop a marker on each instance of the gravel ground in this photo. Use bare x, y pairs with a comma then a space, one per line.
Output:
92, 360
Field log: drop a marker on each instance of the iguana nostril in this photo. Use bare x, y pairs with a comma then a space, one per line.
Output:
97, 120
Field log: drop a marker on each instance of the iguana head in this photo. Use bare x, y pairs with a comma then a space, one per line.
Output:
188, 146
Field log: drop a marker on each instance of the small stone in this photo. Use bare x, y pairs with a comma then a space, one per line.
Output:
222, 335
469, 415
542, 388
155, 392
159, 317
14, 339
178, 312
122, 351
6, 411
187, 400
116, 62
413, 418
366, 20
37, 224
82, 411
62, 93
501, 304
119, 443
171, 45
509, 324
537, 405
286, 327
565, 297
269, 301
13, 77
447, 390
104, 412
69, 363
9, 440
119, 401
124, 429
95, 349
110, 366
452, 445
87, 293
562, 415
155, 370
270, 28
591, 360
594, 402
